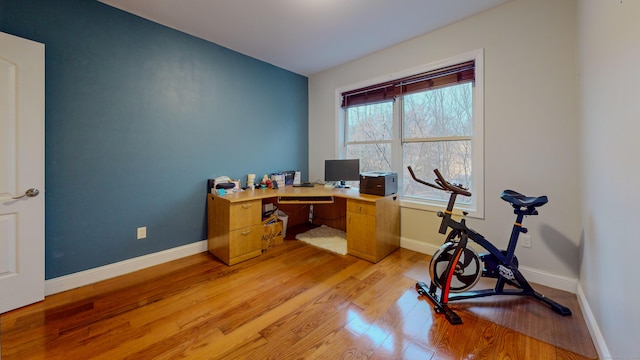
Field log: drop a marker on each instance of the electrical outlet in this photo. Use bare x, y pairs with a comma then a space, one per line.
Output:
525, 240
142, 232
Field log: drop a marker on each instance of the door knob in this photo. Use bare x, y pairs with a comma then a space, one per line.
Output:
33, 192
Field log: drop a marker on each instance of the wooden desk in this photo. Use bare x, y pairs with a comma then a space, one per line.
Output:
372, 223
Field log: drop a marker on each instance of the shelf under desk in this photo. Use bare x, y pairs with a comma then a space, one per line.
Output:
298, 199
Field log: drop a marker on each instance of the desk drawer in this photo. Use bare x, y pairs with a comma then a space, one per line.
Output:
245, 243
246, 213
361, 207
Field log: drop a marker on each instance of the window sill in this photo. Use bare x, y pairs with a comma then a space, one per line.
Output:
435, 207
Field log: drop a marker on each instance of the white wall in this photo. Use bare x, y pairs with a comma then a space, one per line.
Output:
609, 53
531, 122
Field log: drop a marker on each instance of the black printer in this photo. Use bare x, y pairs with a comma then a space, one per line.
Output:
378, 183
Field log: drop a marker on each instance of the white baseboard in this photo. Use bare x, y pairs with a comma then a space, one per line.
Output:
551, 280
82, 278
532, 275
418, 246
592, 325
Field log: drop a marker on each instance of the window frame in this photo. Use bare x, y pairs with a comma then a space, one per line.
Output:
476, 208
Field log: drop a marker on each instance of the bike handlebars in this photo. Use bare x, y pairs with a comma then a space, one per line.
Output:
442, 184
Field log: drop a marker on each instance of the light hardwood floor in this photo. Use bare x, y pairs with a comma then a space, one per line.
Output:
293, 302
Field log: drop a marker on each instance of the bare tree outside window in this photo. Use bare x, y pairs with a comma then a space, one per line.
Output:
369, 135
437, 132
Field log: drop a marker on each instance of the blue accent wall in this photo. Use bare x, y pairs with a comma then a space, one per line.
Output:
137, 117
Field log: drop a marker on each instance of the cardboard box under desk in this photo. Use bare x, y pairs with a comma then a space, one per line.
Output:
272, 235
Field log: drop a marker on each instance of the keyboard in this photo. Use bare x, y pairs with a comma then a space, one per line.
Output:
304, 184
290, 199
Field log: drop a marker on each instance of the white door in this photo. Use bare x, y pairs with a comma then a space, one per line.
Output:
21, 172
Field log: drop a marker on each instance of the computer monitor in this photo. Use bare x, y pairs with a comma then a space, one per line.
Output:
340, 171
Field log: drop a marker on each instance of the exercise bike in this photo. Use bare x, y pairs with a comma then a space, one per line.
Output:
455, 267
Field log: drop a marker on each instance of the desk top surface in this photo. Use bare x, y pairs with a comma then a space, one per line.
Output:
317, 190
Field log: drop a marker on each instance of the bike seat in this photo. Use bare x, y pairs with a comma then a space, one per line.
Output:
517, 199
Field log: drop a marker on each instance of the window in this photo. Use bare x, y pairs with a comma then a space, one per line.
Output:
429, 118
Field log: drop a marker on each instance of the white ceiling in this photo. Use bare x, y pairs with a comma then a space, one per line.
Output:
305, 36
